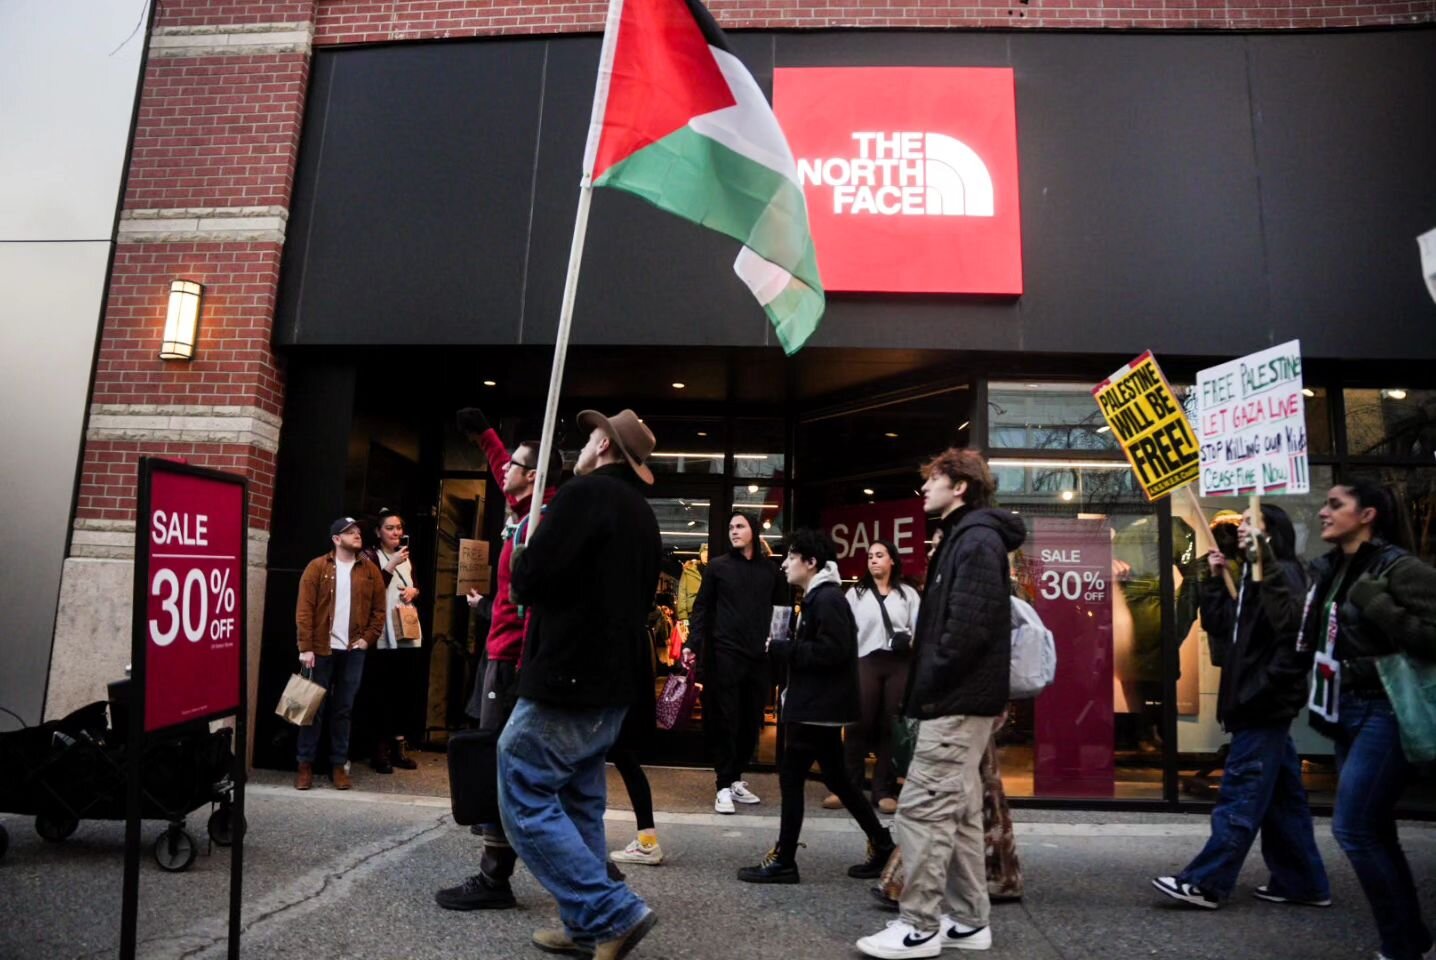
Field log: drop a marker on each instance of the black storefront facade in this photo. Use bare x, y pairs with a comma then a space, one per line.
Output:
1201, 196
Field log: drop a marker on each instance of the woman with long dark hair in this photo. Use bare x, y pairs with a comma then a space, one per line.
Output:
394, 681
1263, 688
885, 609
1370, 599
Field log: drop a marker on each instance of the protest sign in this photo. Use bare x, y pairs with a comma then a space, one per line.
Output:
1147, 419
1251, 419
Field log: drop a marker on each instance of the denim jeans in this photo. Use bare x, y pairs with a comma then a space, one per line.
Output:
552, 795
339, 673
1262, 791
1373, 771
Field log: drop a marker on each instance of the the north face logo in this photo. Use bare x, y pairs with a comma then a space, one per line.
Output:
904, 173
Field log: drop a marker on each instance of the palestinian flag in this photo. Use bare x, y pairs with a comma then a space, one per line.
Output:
680, 122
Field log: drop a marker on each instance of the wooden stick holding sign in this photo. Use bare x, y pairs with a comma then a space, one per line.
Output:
1254, 505
1206, 543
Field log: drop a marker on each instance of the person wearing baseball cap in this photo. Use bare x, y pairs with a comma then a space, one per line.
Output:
587, 577
339, 615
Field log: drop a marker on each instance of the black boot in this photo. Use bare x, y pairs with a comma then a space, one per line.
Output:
380, 760
771, 869
477, 893
401, 758
878, 853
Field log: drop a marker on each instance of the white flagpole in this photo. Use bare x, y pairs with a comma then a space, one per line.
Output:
575, 258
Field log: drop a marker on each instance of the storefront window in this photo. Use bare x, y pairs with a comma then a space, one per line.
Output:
1091, 567
690, 447
759, 449
1045, 416
1392, 422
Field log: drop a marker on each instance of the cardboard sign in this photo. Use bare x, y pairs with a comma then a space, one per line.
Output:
910, 175
1147, 419
475, 573
854, 528
1251, 418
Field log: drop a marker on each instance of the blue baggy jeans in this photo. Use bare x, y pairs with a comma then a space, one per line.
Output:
1262, 791
339, 674
1373, 771
552, 793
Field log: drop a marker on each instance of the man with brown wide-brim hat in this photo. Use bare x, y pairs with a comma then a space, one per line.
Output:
634, 440
587, 578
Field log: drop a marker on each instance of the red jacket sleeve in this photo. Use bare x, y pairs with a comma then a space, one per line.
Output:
498, 456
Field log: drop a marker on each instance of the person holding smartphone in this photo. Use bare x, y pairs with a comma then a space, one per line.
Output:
402, 663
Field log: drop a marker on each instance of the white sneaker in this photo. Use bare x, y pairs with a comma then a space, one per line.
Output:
723, 803
899, 939
636, 852
959, 936
742, 794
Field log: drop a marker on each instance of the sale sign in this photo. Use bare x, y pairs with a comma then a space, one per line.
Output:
900, 522
1148, 421
910, 175
1069, 564
1251, 421
192, 555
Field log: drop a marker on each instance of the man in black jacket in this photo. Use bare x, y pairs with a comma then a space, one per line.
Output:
1263, 688
957, 688
818, 669
729, 629
587, 578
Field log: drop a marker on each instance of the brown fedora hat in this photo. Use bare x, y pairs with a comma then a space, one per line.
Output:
635, 441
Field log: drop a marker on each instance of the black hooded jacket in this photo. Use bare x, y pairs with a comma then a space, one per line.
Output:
734, 607
1253, 637
963, 647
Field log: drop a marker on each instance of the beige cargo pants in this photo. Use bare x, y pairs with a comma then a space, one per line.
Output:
939, 824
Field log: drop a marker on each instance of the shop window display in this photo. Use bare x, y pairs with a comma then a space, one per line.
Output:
1091, 567
1045, 416
1393, 422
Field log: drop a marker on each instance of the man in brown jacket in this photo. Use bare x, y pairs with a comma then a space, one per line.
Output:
339, 616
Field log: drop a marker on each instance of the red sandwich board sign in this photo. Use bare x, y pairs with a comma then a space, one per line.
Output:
187, 655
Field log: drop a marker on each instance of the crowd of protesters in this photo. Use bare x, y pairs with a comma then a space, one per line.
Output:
569, 682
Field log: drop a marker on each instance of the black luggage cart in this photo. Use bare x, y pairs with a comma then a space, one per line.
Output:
75, 768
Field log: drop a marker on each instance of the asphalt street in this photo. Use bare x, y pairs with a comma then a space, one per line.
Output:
332, 875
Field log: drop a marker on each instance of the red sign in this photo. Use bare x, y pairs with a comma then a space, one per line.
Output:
1069, 571
910, 174
195, 543
901, 522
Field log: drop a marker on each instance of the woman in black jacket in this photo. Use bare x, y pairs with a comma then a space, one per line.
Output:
1370, 599
1263, 688
819, 667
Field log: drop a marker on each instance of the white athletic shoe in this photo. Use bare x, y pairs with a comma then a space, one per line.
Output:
899, 940
636, 852
1188, 893
959, 936
723, 803
741, 793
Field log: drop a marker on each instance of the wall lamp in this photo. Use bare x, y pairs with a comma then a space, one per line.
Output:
182, 320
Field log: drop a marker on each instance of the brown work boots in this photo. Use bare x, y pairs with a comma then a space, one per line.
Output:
304, 779
339, 776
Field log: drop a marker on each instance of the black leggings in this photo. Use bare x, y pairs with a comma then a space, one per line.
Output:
635, 781
882, 679
802, 744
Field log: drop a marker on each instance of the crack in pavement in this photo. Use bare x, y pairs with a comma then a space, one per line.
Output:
300, 896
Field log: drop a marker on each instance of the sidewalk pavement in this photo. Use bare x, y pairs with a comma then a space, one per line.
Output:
352, 875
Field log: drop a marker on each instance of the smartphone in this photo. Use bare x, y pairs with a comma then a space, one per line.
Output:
404, 542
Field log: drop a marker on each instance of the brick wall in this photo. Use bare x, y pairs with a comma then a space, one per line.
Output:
371, 21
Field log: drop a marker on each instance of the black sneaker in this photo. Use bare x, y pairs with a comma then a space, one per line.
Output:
614, 874
878, 854
1263, 892
884, 901
1188, 893
477, 893
770, 870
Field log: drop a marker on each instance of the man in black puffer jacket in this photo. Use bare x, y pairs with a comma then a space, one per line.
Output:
1263, 688
958, 687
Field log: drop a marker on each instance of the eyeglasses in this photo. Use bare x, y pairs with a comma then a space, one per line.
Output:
515, 462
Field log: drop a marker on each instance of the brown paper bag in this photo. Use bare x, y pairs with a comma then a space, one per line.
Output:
406, 624
300, 701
